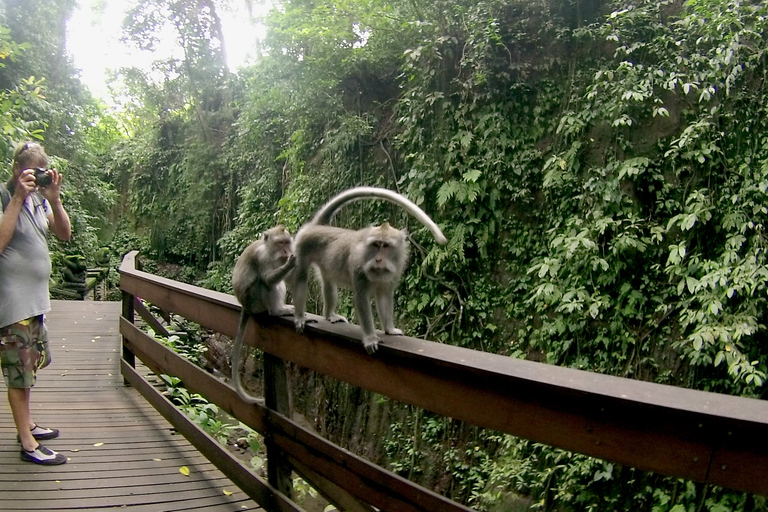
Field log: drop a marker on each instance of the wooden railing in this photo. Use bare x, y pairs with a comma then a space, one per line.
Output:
704, 437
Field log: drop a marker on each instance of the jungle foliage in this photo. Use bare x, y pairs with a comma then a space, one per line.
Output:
42, 99
600, 169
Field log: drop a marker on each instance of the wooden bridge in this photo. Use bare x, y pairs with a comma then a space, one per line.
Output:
704, 437
122, 453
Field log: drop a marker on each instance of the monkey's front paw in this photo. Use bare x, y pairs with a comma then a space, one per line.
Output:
336, 319
371, 343
394, 332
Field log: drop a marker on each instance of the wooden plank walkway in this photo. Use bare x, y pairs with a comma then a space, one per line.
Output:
122, 453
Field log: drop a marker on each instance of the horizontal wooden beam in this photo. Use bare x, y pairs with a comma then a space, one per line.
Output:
705, 437
368, 482
241, 476
162, 360
382, 489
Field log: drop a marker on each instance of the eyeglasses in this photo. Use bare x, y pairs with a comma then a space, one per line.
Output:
25, 147
28, 145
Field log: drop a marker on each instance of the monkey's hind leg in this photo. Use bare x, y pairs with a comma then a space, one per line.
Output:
276, 301
284, 310
300, 290
330, 300
385, 306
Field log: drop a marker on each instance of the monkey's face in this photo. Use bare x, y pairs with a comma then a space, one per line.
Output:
280, 243
283, 248
385, 251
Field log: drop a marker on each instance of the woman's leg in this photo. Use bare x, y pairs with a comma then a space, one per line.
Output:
18, 398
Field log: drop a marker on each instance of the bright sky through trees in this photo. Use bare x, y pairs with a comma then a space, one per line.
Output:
93, 40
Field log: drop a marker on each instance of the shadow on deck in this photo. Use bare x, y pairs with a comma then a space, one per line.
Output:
122, 452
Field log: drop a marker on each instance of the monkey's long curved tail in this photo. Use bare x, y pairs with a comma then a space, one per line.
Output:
237, 361
329, 209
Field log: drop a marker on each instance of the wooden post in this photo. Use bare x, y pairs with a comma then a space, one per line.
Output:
277, 396
128, 314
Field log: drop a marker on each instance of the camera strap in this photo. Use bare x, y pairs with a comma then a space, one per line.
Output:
5, 195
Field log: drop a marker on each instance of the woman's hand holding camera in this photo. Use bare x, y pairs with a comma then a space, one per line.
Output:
52, 191
26, 183
47, 181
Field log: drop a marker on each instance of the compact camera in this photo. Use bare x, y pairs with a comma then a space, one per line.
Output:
42, 177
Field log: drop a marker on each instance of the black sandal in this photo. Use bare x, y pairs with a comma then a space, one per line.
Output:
42, 433
44, 456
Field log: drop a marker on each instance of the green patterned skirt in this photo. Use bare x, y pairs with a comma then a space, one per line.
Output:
24, 350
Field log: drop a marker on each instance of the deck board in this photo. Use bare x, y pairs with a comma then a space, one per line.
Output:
122, 453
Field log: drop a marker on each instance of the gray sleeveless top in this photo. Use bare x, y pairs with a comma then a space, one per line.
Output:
25, 264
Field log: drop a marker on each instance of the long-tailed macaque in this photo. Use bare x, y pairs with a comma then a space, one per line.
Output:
370, 261
258, 281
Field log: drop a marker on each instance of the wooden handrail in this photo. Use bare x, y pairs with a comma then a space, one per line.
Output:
705, 437
320, 462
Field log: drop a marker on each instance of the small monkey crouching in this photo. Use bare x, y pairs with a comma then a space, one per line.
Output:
258, 281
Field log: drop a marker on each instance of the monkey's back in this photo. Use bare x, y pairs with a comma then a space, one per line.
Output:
248, 280
329, 249
244, 273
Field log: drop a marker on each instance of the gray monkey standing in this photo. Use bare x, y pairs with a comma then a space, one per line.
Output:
370, 261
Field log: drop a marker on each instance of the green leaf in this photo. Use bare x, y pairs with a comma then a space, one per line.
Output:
719, 358
698, 342
472, 176
446, 191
